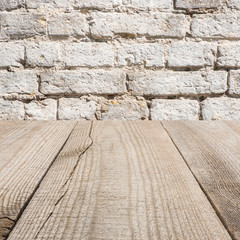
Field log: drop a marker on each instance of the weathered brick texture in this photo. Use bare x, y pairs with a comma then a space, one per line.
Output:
174, 109
119, 59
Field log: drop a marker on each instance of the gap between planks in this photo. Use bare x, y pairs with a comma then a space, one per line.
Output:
200, 185
131, 184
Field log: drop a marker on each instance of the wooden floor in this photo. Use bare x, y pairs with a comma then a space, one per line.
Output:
119, 180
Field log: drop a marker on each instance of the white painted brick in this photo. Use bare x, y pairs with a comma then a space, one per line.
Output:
36, 4
148, 5
67, 24
193, 4
18, 82
44, 54
174, 109
106, 25
72, 108
234, 4
83, 82
41, 110
149, 54
125, 110
96, 4
22, 25
11, 54
216, 26
133, 4
221, 108
89, 55
234, 83
163, 83
190, 54
228, 55
11, 110
11, 4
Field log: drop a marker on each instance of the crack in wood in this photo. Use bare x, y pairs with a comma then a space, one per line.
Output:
70, 176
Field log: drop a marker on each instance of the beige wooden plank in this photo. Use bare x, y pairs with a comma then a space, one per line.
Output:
212, 151
25, 157
130, 182
8, 129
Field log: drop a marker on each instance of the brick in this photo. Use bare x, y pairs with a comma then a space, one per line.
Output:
148, 5
41, 110
234, 83
67, 24
72, 108
107, 25
174, 109
196, 4
190, 55
36, 4
44, 54
163, 83
234, 4
216, 26
125, 110
22, 25
11, 4
11, 110
11, 54
221, 108
228, 55
110, 4
89, 55
83, 82
18, 82
149, 54
96, 4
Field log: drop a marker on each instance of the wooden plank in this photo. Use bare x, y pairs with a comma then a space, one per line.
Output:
8, 129
25, 158
212, 151
126, 181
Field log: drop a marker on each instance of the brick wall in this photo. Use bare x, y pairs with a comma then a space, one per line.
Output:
120, 59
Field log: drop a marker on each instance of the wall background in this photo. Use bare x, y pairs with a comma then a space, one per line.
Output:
119, 59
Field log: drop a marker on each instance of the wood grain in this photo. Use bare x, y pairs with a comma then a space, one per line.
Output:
27, 152
124, 181
212, 151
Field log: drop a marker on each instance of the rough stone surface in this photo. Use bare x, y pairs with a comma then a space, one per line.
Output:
36, 4
11, 4
234, 4
125, 110
83, 82
193, 4
43, 54
109, 59
163, 109
221, 108
228, 55
132, 4
24, 82
72, 108
89, 55
190, 55
220, 26
106, 25
41, 110
150, 55
234, 83
162, 83
11, 110
67, 24
22, 25
11, 54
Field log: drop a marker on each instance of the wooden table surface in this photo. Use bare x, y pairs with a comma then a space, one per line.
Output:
120, 180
